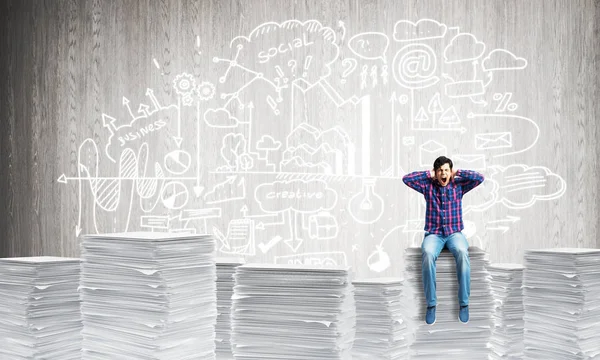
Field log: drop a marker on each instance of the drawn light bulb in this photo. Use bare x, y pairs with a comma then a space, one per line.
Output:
366, 207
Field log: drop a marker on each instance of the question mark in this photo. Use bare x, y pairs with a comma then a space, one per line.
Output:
362, 42
293, 64
352, 65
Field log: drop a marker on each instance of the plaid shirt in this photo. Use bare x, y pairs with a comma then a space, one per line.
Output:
444, 203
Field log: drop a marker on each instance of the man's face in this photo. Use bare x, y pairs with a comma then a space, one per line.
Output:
442, 175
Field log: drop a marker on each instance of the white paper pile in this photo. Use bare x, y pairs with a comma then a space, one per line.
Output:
292, 312
507, 336
381, 332
148, 296
562, 304
225, 281
448, 336
40, 315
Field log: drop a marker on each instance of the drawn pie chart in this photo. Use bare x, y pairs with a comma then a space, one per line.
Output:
174, 195
178, 162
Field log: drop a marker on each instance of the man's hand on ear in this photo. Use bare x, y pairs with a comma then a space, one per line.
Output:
454, 171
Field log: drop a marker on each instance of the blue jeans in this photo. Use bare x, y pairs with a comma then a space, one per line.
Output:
459, 247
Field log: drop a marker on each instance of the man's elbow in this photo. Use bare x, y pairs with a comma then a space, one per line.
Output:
479, 177
406, 180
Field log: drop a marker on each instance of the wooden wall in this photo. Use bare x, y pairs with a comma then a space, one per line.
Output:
79, 75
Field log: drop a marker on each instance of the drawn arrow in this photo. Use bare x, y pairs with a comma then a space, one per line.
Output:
490, 78
279, 220
150, 94
198, 188
64, 179
126, 103
178, 139
249, 142
144, 110
393, 100
78, 226
82, 169
262, 225
447, 77
230, 179
461, 129
294, 243
504, 229
244, 210
109, 123
509, 218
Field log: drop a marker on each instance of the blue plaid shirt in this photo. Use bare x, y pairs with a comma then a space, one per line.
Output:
444, 203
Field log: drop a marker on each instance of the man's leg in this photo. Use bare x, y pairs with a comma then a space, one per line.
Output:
459, 247
430, 250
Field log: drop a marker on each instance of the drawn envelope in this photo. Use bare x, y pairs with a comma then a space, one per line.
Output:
430, 151
493, 140
471, 162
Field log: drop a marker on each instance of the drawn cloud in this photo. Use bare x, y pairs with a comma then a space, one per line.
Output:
220, 118
291, 48
268, 143
303, 196
405, 30
141, 129
521, 186
463, 47
500, 59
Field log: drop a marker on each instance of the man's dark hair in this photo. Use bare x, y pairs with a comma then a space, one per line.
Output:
439, 162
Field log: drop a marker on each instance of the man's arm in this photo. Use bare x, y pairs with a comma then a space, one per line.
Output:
468, 179
417, 180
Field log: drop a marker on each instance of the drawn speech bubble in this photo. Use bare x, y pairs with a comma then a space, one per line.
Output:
370, 45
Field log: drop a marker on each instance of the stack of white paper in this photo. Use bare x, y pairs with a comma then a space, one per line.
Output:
225, 270
448, 338
40, 315
381, 332
148, 296
562, 304
293, 312
507, 336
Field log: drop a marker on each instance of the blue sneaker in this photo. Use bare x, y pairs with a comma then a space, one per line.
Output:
463, 314
430, 316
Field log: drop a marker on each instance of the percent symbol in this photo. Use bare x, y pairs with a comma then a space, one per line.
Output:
504, 102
